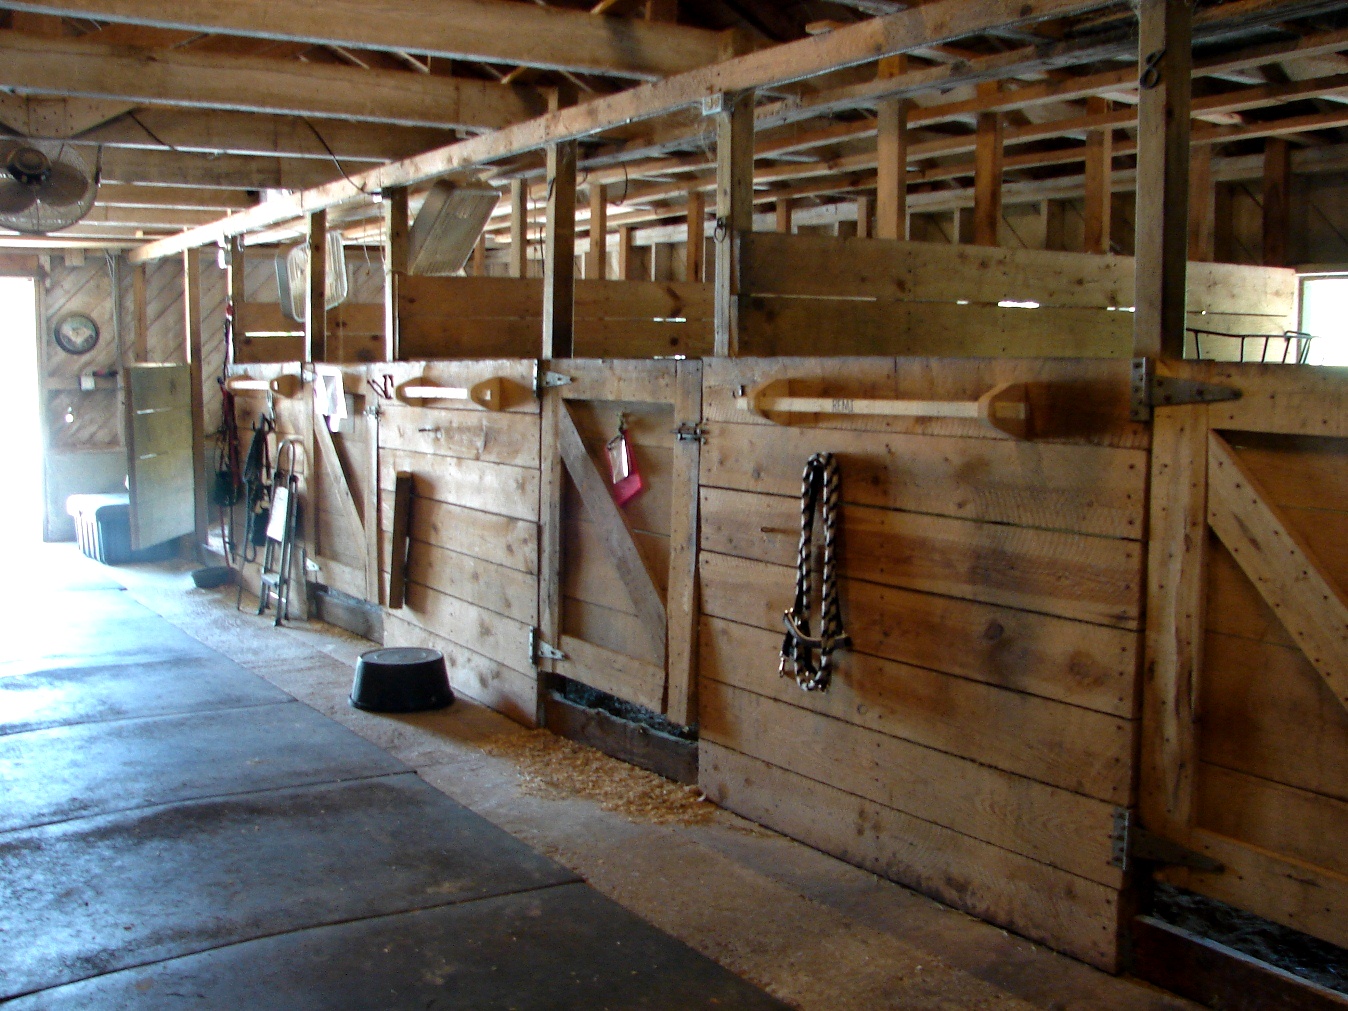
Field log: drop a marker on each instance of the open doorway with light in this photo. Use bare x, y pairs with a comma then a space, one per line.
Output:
1324, 312
21, 449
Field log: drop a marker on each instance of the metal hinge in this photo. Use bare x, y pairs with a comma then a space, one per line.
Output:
1150, 391
545, 379
690, 432
539, 649
1130, 843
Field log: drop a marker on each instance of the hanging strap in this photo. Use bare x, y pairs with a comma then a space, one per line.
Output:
821, 479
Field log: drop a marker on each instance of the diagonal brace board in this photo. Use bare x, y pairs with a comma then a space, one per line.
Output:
332, 464
613, 531
1279, 564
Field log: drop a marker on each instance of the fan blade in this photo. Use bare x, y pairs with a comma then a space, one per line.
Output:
15, 197
64, 187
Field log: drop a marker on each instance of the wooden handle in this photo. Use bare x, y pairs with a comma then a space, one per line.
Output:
487, 393
285, 386
1004, 407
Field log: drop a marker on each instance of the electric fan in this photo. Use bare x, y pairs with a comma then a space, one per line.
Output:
45, 185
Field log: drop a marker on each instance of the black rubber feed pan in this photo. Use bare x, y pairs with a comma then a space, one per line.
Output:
401, 679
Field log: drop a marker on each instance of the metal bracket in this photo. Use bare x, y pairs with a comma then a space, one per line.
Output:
689, 431
545, 379
1131, 843
714, 104
540, 650
1150, 391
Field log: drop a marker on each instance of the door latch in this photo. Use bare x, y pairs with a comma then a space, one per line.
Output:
690, 432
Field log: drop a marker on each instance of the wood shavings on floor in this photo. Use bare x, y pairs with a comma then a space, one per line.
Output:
554, 767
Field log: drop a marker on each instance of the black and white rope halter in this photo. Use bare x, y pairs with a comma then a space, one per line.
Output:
821, 477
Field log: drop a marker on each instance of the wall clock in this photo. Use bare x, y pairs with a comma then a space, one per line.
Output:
76, 334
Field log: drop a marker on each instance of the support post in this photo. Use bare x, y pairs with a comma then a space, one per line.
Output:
988, 173
141, 313
1202, 205
192, 353
559, 242
316, 285
596, 264
1099, 175
783, 208
1277, 203
626, 251
1162, 227
697, 245
734, 209
235, 282
480, 257
519, 228
891, 190
863, 217
1052, 213
395, 265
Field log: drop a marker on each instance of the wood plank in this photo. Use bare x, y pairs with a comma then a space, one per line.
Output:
684, 525
1054, 743
792, 326
1099, 176
1282, 819
1057, 827
1069, 575
192, 353
1075, 401
821, 266
1234, 606
1035, 900
559, 240
616, 673
519, 214
1087, 665
1266, 712
988, 172
552, 480
499, 539
496, 587
455, 30
487, 436
610, 629
891, 188
613, 529
478, 677
1278, 561
1161, 230
1080, 489
332, 483
695, 245
596, 259
400, 547
1174, 640
1278, 888
490, 487
1277, 399
1277, 202
626, 382
502, 639
589, 574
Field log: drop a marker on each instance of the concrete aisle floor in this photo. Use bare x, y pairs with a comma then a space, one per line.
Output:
810, 930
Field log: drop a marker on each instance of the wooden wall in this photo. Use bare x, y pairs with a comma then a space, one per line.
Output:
979, 737
826, 295
466, 317
473, 564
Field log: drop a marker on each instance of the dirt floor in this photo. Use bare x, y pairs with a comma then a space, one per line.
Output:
810, 929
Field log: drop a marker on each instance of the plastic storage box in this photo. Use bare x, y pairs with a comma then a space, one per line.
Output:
103, 529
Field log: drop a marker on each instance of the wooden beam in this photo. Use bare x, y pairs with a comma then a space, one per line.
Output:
626, 254
696, 242
396, 254
181, 197
230, 172
519, 228
1202, 205
1099, 173
559, 246
235, 283
891, 187
613, 532
264, 134
485, 30
66, 66
1161, 236
734, 210
480, 256
1276, 200
1280, 564
860, 43
315, 286
140, 317
596, 263
193, 353
988, 156
35, 116
782, 209
864, 217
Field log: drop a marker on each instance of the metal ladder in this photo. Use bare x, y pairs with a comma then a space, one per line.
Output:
278, 555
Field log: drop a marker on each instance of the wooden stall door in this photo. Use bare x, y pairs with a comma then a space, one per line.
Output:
1245, 728
618, 586
159, 453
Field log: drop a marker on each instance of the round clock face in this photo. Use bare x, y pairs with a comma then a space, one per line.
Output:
76, 334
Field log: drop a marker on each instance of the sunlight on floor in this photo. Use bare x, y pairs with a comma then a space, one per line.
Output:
21, 449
